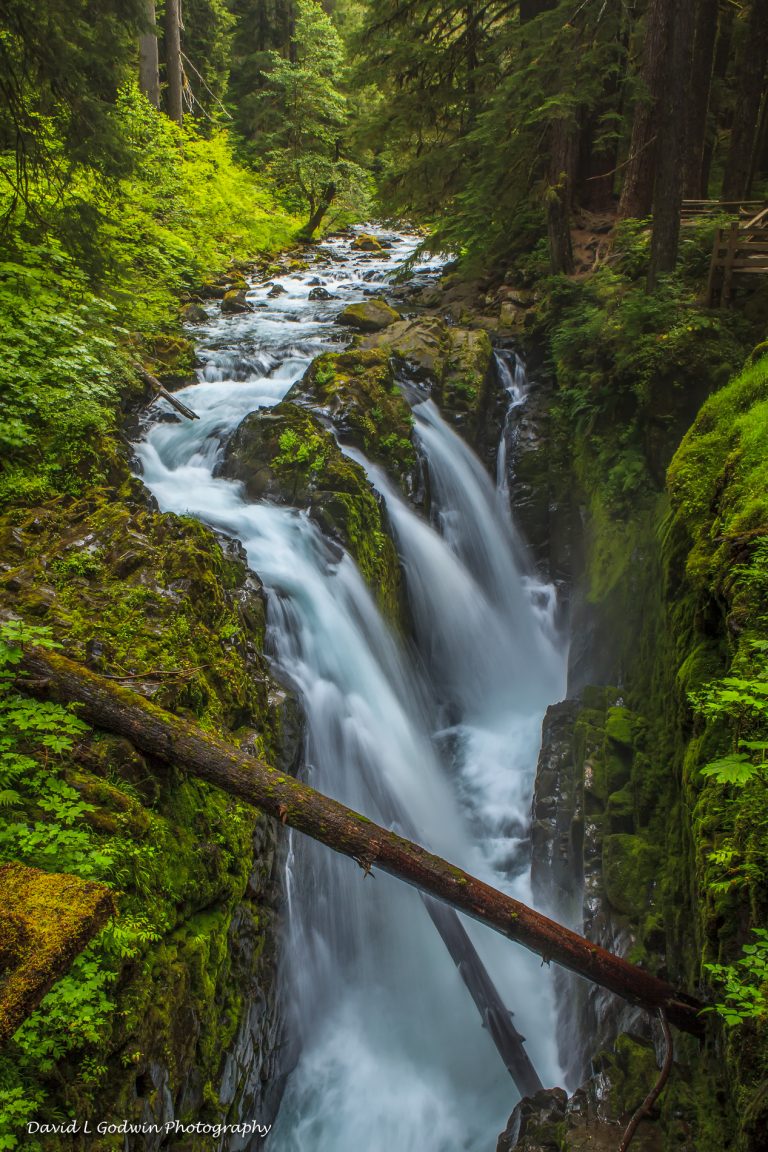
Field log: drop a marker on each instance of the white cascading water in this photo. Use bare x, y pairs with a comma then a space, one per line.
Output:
391, 1052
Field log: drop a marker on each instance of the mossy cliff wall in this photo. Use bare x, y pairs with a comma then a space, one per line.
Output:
631, 841
171, 1013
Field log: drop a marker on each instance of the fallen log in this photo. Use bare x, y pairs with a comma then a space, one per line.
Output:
46, 919
174, 741
166, 395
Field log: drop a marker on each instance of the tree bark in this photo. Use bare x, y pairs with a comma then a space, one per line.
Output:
563, 155
700, 86
149, 61
640, 171
173, 66
751, 66
318, 214
719, 73
668, 186
171, 740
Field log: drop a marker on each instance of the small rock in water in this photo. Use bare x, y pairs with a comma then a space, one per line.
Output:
194, 314
235, 301
367, 243
321, 294
277, 290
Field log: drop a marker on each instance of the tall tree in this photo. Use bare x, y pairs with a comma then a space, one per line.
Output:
718, 88
671, 120
174, 69
700, 86
750, 70
304, 118
640, 171
149, 59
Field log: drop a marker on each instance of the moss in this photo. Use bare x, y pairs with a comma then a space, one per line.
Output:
45, 920
156, 600
359, 391
288, 456
629, 871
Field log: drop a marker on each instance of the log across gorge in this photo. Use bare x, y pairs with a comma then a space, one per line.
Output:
171, 740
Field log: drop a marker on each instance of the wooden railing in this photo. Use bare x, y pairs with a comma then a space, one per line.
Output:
739, 250
695, 209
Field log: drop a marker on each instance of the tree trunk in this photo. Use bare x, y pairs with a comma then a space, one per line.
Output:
640, 170
719, 73
699, 96
751, 65
668, 188
318, 214
173, 67
171, 740
149, 63
564, 151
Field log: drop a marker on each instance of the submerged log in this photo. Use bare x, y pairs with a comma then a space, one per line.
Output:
174, 741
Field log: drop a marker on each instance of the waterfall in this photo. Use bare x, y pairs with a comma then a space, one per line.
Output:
391, 1053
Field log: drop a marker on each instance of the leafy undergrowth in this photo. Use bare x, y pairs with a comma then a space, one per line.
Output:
97, 286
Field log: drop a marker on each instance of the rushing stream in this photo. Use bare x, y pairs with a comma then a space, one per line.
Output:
439, 741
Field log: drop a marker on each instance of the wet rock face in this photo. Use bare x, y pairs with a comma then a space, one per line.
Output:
589, 869
537, 1124
541, 488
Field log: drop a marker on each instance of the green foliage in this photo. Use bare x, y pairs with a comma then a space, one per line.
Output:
75, 307
304, 119
306, 454
744, 984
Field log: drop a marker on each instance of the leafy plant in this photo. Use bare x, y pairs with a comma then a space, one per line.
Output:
744, 984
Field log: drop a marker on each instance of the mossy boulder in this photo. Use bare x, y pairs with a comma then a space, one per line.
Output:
287, 456
369, 316
235, 301
456, 362
367, 243
359, 391
194, 313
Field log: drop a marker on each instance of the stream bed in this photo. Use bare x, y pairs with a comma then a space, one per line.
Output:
437, 737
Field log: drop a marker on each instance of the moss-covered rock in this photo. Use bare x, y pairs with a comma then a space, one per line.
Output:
234, 301
365, 242
145, 1023
358, 390
286, 455
368, 316
456, 362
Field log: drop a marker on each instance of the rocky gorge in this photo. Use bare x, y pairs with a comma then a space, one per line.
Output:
650, 612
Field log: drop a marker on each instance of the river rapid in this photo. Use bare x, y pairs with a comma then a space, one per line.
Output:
437, 737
